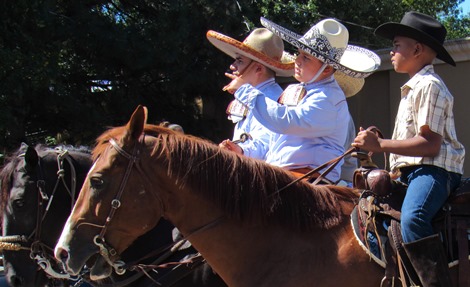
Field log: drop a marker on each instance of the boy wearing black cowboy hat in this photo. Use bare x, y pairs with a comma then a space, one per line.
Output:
424, 150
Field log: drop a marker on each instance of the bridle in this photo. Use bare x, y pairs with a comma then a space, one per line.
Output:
110, 255
38, 249
106, 251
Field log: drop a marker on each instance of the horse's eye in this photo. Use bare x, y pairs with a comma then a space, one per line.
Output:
96, 182
18, 203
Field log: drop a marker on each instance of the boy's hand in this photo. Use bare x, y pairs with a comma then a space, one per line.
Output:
236, 82
367, 140
229, 145
239, 80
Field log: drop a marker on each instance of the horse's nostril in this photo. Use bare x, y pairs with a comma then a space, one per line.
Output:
62, 255
16, 281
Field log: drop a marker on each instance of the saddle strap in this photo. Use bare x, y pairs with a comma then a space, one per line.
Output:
391, 261
400, 269
462, 242
396, 241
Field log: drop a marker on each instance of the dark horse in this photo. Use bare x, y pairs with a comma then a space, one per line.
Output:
35, 199
243, 215
38, 193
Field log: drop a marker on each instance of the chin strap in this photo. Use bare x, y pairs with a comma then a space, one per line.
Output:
322, 68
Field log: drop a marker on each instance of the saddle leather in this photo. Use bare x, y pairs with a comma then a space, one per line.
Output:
462, 194
376, 180
381, 200
370, 177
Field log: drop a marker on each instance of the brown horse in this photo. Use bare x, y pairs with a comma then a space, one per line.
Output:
234, 210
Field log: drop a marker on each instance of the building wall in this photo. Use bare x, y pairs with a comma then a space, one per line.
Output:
377, 103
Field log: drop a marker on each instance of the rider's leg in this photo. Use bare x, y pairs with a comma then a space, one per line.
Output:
428, 189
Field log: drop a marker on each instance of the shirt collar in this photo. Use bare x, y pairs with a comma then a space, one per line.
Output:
265, 83
428, 69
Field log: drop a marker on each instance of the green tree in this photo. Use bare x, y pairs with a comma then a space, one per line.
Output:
70, 69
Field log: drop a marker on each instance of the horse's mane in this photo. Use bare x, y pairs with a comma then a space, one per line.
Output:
243, 187
13, 159
9, 166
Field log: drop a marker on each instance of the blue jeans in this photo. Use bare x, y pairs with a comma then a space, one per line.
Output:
428, 188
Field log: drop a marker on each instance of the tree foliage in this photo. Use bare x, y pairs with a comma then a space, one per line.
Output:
70, 69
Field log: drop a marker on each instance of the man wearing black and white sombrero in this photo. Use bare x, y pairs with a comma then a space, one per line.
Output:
310, 119
424, 150
262, 51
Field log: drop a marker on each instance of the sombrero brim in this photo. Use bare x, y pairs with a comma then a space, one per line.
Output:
233, 47
350, 86
356, 61
391, 29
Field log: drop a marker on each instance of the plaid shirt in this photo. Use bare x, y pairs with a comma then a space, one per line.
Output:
427, 101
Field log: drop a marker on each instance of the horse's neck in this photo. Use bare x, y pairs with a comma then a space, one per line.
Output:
243, 253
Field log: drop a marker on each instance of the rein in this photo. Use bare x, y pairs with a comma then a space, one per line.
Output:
332, 163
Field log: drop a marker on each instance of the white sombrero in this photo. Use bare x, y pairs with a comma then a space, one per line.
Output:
328, 42
261, 46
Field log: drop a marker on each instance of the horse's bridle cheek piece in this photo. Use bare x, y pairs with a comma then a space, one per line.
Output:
106, 251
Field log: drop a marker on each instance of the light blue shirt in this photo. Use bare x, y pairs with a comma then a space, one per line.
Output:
259, 145
350, 163
307, 135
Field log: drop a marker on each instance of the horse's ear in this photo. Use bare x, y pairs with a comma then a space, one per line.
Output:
31, 158
135, 126
23, 147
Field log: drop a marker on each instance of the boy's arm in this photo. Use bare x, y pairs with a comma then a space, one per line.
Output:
426, 144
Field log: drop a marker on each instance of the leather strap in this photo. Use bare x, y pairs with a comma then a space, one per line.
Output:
310, 174
462, 242
379, 134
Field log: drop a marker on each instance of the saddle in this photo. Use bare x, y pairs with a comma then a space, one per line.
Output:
379, 207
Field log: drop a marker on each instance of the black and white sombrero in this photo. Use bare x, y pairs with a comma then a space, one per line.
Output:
328, 41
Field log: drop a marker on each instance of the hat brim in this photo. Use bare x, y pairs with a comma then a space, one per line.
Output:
391, 29
356, 61
233, 47
350, 86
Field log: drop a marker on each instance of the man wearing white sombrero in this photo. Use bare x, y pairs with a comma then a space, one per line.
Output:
263, 52
310, 119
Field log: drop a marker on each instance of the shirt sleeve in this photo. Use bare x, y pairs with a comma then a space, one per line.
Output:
315, 115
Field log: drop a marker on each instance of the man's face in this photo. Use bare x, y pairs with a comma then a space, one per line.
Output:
403, 53
239, 66
306, 67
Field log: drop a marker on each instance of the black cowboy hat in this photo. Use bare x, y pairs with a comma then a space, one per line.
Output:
421, 27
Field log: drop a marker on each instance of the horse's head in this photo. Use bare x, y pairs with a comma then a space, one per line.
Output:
114, 206
31, 220
20, 207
